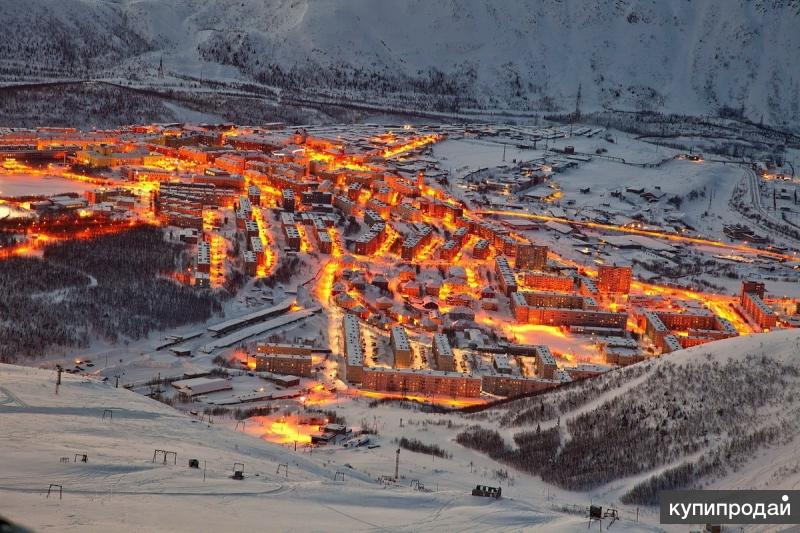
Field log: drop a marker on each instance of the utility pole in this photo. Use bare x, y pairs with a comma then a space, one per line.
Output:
397, 465
59, 370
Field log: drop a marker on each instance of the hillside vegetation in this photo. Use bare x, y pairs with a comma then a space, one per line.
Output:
111, 287
701, 413
448, 55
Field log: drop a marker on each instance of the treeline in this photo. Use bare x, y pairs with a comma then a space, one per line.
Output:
287, 267
71, 42
690, 474
417, 446
729, 134
431, 88
541, 408
103, 105
80, 104
24, 275
29, 326
249, 110
136, 254
484, 440
412, 404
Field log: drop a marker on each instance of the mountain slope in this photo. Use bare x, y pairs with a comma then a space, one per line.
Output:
121, 489
723, 415
688, 56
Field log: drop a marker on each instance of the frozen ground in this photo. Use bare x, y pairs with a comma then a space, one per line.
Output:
776, 467
25, 184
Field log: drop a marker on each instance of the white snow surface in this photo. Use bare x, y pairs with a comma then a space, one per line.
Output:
631, 54
120, 489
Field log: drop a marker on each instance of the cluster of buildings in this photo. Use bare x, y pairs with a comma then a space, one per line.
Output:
673, 325
556, 300
563, 309
443, 376
394, 250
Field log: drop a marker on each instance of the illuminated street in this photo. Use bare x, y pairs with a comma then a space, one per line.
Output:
420, 296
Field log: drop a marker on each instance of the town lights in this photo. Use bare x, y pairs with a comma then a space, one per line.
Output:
394, 280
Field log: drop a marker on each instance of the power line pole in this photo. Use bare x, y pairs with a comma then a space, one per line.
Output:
59, 370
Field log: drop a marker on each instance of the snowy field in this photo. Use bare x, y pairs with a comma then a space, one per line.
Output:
603, 176
121, 489
29, 184
11, 211
462, 156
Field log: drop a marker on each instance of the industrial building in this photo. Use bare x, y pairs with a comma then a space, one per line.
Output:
202, 385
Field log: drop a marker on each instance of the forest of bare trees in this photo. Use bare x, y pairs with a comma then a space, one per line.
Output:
691, 474
112, 287
725, 411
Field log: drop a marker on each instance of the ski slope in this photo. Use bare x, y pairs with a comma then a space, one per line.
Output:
120, 489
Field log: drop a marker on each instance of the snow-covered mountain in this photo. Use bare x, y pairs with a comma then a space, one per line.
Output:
677, 55
722, 415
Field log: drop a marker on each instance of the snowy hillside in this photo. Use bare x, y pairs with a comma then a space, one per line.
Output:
630, 54
739, 388
717, 416
120, 489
